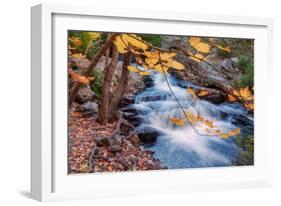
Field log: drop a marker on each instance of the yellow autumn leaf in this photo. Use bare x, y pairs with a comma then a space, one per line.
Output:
226, 49
197, 57
191, 117
231, 98
151, 61
200, 46
144, 73
209, 123
121, 45
135, 41
194, 40
167, 56
133, 69
224, 135
250, 106
246, 94
95, 35
174, 64
76, 41
234, 132
177, 121
78, 56
79, 78
191, 91
202, 93
161, 68
152, 58
200, 118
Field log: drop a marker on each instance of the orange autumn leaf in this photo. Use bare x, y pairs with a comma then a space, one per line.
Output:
177, 121
209, 123
197, 57
191, 91
231, 98
234, 132
135, 41
79, 78
203, 93
226, 49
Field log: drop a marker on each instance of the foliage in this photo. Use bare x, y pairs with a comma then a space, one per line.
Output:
246, 63
245, 96
149, 60
79, 78
85, 43
153, 39
204, 46
246, 156
223, 53
97, 84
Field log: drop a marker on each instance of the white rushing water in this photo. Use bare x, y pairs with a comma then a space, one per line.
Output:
180, 146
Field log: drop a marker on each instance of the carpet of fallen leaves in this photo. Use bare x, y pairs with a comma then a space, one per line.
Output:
127, 156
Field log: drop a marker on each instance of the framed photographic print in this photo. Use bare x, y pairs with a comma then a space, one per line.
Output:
134, 102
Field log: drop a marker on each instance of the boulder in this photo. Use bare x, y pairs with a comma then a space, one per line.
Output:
147, 136
148, 82
126, 101
130, 115
85, 94
214, 98
90, 106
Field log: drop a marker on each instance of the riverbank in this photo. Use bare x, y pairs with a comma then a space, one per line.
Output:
86, 136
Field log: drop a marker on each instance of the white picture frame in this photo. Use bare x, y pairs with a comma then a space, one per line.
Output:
49, 179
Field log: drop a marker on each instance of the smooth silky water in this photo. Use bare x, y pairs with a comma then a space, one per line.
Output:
180, 146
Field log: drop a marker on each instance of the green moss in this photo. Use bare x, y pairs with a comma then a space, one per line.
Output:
154, 39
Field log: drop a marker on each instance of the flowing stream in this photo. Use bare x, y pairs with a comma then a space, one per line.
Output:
179, 146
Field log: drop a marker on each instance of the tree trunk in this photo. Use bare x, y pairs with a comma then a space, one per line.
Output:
108, 74
91, 67
121, 88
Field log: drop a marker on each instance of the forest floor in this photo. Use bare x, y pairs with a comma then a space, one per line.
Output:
84, 134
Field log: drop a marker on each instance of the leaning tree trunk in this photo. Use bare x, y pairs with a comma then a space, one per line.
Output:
108, 74
121, 88
91, 67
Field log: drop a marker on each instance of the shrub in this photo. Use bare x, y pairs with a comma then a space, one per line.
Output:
154, 39
246, 64
222, 53
246, 155
97, 83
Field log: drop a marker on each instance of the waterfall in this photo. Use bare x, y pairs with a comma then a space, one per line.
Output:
180, 146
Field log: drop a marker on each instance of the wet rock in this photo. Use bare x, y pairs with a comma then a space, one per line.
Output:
126, 101
102, 141
148, 82
214, 98
147, 136
131, 111
153, 98
131, 116
246, 125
